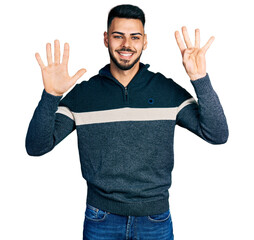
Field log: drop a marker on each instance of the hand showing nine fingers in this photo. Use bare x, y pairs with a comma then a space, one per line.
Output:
55, 76
193, 56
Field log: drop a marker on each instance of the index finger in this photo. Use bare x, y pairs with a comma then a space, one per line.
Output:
208, 44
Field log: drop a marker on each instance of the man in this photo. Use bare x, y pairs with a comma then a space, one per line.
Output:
125, 118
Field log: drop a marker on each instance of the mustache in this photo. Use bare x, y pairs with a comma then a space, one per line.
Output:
125, 50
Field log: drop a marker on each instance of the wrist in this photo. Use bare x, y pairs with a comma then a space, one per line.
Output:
197, 76
54, 93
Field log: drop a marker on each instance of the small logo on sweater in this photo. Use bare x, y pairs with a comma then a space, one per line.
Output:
151, 101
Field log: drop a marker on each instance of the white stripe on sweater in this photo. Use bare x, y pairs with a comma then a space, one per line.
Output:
124, 114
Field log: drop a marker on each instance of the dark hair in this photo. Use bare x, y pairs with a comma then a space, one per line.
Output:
126, 11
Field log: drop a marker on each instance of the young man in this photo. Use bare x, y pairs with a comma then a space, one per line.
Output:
125, 118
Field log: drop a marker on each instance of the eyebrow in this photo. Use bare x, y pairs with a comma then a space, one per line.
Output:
132, 34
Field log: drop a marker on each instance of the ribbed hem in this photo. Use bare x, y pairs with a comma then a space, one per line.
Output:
137, 209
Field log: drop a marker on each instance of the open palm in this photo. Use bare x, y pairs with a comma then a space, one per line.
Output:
193, 56
55, 76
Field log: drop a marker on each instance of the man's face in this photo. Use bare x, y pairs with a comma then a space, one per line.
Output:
125, 41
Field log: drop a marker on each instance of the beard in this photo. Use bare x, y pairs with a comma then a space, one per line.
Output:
123, 64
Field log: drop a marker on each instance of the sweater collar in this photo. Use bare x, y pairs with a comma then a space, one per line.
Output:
105, 72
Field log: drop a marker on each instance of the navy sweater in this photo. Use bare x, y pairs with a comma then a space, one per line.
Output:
125, 134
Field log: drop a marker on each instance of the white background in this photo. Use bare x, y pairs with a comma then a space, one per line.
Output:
212, 191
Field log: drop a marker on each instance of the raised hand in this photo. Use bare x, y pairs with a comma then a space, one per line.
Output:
55, 76
193, 56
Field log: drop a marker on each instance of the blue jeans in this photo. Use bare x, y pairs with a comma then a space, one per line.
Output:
102, 225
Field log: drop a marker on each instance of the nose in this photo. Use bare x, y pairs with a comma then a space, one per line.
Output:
126, 42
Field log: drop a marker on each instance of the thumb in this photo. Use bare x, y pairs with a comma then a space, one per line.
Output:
78, 75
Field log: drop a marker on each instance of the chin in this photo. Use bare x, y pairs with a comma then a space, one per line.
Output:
124, 64
125, 67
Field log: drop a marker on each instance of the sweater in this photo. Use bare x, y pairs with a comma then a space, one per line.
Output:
126, 134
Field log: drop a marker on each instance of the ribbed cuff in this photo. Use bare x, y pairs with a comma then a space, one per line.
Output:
49, 101
202, 85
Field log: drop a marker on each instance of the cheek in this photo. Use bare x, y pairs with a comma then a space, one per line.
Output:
113, 45
139, 47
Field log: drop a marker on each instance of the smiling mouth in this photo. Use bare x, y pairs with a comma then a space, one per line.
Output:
125, 55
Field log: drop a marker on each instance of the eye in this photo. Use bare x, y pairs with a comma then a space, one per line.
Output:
135, 38
118, 37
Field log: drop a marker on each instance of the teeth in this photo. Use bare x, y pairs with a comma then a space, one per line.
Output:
126, 54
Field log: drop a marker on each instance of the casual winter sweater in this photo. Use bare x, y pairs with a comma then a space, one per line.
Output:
125, 135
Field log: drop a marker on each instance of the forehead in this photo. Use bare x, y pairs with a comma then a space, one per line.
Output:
126, 25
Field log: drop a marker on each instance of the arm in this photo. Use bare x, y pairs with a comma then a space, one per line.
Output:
206, 119
47, 128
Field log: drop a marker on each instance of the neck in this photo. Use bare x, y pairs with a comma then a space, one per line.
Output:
123, 76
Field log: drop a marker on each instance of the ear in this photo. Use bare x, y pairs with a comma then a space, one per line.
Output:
106, 39
145, 42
